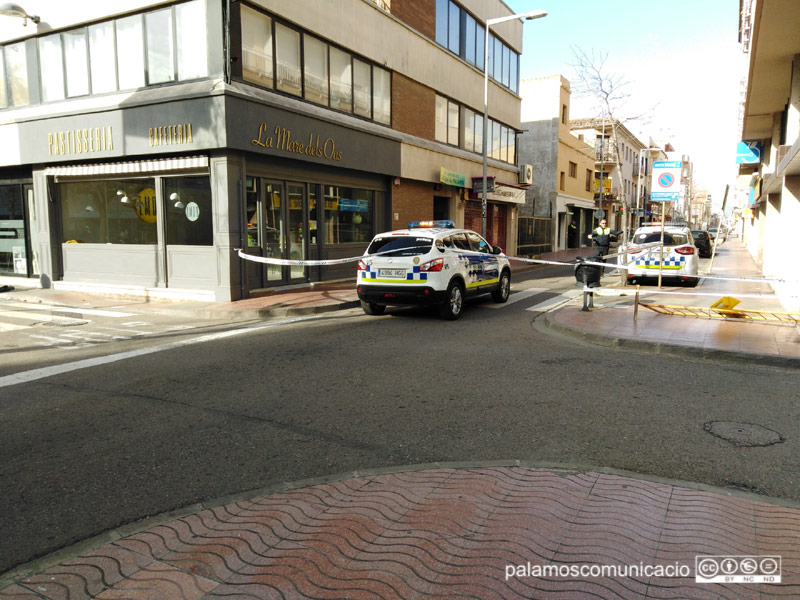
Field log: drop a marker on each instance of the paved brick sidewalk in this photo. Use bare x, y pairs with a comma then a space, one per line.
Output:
439, 533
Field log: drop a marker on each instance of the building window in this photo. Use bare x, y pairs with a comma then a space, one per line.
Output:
341, 81
362, 92
348, 215
130, 52
189, 211
573, 170
16, 70
562, 181
192, 49
381, 95
287, 60
564, 114
102, 58
256, 47
51, 60
316, 70
589, 178
160, 58
447, 121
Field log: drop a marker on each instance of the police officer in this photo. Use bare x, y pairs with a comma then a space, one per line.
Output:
601, 236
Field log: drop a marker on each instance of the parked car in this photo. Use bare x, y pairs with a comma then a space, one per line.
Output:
702, 240
432, 263
712, 231
680, 256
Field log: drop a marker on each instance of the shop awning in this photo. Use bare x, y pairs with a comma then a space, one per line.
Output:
130, 168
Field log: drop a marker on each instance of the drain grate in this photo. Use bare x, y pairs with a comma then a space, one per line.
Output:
743, 434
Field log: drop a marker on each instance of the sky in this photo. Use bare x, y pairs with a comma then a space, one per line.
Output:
681, 60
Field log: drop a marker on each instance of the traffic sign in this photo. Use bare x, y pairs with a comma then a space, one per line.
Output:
666, 180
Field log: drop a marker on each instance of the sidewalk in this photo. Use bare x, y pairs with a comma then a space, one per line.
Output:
455, 530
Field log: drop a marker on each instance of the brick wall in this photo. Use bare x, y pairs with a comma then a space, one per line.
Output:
413, 107
419, 14
412, 201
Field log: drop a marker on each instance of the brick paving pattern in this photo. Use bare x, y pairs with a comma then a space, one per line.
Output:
440, 533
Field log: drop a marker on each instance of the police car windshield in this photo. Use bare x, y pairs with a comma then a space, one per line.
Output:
670, 239
404, 245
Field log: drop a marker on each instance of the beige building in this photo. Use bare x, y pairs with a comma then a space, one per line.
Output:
563, 169
770, 36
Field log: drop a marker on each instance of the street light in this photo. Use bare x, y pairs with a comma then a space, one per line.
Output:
9, 9
528, 16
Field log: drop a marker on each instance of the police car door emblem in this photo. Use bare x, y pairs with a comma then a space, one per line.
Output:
416, 260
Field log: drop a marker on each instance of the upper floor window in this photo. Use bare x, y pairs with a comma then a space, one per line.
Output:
151, 48
307, 67
462, 34
573, 169
447, 121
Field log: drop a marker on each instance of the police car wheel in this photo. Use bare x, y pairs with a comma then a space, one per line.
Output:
451, 309
372, 309
503, 290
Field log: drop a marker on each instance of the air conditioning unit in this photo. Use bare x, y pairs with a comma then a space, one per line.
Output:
525, 174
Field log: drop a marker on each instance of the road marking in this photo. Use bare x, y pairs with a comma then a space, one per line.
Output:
11, 327
67, 309
516, 297
55, 319
555, 301
44, 372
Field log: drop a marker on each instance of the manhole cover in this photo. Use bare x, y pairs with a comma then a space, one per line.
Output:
743, 434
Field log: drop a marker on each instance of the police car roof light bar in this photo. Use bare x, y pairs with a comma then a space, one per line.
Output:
445, 223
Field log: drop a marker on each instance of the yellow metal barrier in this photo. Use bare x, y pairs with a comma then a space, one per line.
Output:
724, 313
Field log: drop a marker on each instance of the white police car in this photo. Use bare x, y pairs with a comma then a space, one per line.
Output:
680, 258
431, 262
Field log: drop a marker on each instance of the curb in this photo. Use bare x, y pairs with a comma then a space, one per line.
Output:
672, 350
52, 559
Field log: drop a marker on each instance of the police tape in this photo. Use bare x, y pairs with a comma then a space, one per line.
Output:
580, 262
630, 291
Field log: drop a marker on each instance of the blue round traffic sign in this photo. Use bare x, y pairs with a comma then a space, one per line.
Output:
666, 180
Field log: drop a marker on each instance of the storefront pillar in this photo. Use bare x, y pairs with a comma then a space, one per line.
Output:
227, 181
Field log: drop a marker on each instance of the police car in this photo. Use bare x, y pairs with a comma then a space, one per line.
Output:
431, 262
680, 255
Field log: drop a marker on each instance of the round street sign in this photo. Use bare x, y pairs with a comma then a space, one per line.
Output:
599, 213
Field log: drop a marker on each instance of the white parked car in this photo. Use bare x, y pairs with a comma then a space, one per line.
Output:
680, 257
431, 262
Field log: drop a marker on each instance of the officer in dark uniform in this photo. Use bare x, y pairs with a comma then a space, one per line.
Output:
602, 238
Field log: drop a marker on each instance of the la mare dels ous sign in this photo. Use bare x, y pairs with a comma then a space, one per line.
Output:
280, 138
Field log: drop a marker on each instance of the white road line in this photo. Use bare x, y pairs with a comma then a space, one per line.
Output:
36, 374
58, 320
516, 297
555, 301
67, 309
10, 327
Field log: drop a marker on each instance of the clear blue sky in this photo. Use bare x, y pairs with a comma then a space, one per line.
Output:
682, 59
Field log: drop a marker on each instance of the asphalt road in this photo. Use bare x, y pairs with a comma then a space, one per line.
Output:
92, 449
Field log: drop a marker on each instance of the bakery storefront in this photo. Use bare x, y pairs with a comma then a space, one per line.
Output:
158, 200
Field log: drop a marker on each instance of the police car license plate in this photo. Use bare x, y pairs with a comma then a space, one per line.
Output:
393, 273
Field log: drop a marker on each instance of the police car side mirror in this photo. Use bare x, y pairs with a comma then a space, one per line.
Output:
497, 250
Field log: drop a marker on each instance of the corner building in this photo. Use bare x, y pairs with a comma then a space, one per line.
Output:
183, 132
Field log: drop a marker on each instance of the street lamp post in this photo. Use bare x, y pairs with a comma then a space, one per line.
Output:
528, 16
639, 183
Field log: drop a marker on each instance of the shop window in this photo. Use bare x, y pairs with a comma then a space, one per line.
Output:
348, 215
16, 64
51, 59
189, 211
192, 48
12, 230
160, 58
130, 52
316, 70
101, 51
120, 211
287, 59
256, 47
